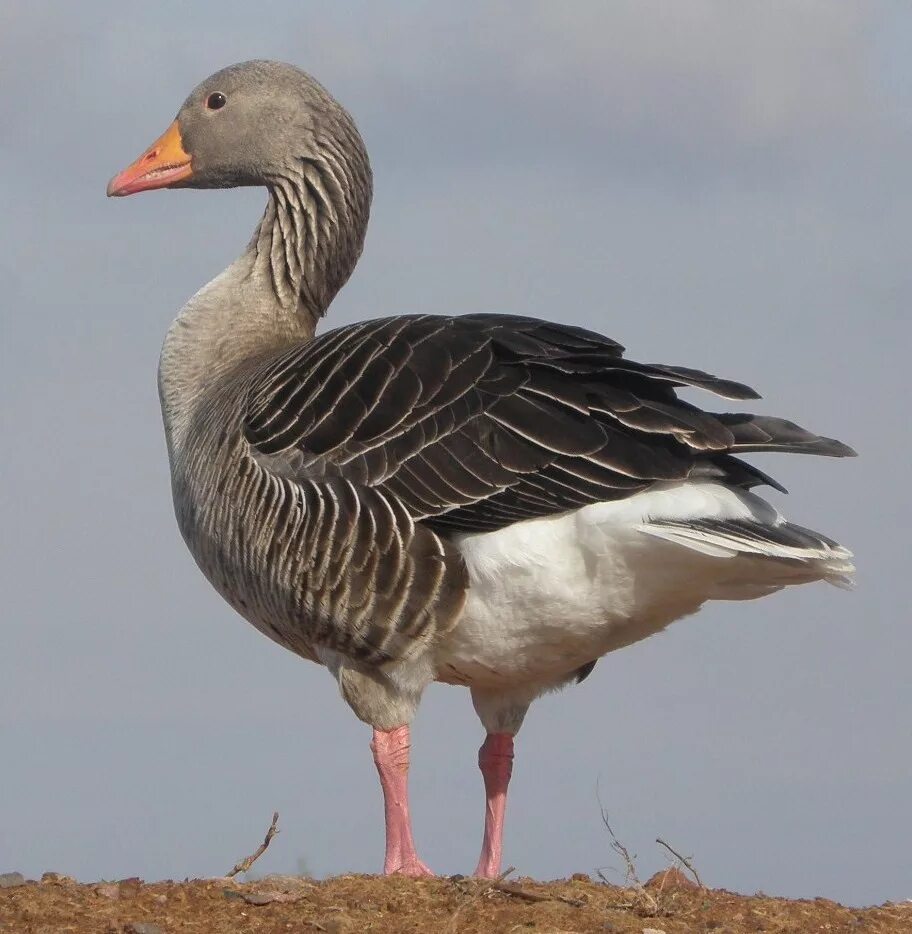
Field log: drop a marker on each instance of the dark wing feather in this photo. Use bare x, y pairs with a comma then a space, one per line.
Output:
477, 422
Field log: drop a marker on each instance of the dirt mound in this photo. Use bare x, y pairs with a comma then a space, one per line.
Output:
668, 903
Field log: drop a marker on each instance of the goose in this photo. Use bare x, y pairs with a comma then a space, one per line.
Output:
492, 501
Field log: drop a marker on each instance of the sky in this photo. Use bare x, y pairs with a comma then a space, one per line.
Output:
715, 185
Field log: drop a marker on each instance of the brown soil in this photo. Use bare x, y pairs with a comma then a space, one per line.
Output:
349, 904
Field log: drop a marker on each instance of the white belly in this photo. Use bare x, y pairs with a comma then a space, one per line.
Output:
548, 595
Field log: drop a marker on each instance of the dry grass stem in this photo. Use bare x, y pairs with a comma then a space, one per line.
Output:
649, 904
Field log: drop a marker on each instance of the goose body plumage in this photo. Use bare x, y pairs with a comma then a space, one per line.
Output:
493, 501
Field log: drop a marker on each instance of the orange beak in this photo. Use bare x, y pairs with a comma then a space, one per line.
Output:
160, 166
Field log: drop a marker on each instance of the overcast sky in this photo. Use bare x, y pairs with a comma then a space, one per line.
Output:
716, 185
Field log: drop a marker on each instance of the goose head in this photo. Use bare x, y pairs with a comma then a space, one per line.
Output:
248, 124
270, 124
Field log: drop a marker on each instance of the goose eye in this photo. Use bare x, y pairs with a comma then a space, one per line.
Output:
216, 101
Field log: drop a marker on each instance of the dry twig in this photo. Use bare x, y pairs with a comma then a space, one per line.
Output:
508, 888
246, 863
486, 886
683, 860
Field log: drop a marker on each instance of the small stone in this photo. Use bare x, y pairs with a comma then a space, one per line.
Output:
108, 890
270, 897
56, 878
670, 880
160, 899
129, 888
142, 927
9, 880
258, 898
285, 883
653, 931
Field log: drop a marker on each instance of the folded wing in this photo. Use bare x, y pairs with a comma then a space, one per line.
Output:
475, 422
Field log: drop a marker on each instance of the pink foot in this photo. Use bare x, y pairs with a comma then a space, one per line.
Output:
495, 759
412, 866
391, 756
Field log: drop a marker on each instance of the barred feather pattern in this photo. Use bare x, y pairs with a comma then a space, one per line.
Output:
313, 564
313, 228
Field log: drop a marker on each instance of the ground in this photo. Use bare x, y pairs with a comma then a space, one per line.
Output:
668, 903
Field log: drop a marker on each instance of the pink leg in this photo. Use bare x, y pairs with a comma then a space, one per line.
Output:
495, 759
391, 755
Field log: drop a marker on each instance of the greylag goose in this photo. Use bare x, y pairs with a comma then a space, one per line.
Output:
491, 501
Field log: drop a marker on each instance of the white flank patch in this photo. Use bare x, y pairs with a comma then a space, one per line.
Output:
548, 595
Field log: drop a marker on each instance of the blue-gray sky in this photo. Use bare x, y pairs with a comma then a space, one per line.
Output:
713, 184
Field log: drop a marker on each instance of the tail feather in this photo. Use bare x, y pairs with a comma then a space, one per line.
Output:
801, 554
